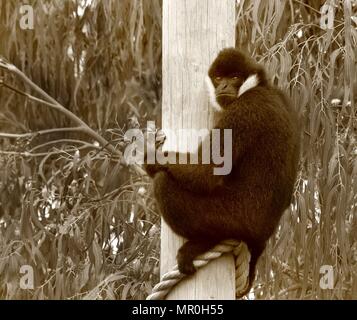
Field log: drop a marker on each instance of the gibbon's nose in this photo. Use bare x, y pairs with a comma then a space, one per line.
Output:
223, 85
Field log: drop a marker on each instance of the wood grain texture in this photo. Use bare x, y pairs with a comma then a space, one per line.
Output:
193, 33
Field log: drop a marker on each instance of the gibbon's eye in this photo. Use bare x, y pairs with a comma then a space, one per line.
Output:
217, 79
235, 78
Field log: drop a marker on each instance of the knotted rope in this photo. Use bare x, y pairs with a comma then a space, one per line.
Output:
241, 257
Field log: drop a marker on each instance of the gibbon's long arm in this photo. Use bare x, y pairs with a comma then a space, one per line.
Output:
200, 177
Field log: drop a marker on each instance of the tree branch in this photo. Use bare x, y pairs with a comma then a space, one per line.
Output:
52, 103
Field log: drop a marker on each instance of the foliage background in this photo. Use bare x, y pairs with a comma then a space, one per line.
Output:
86, 223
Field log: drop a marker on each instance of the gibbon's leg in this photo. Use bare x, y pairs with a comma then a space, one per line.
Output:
189, 251
193, 217
189, 214
255, 254
174, 203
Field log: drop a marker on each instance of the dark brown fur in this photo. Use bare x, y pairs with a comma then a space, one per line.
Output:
246, 204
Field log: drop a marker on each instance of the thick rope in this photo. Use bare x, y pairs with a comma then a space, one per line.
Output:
241, 257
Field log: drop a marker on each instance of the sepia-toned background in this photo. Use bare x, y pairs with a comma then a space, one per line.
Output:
85, 223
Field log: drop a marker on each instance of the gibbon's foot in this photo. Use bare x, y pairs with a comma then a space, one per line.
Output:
185, 265
188, 252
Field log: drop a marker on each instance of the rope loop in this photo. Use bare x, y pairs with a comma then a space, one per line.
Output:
241, 259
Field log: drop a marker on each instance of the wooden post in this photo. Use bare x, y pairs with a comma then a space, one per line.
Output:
193, 33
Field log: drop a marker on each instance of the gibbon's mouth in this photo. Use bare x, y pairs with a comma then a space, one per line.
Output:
226, 95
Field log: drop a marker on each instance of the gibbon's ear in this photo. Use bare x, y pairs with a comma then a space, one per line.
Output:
251, 82
212, 94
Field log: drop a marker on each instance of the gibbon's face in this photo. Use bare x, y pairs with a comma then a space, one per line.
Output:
231, 74
227, 88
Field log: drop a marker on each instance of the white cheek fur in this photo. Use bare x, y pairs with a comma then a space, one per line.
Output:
212, 94
251, 82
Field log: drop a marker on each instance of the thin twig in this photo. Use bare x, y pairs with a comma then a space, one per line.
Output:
38, 133
88, 145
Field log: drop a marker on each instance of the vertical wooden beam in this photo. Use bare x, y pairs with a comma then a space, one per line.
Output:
193, 33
